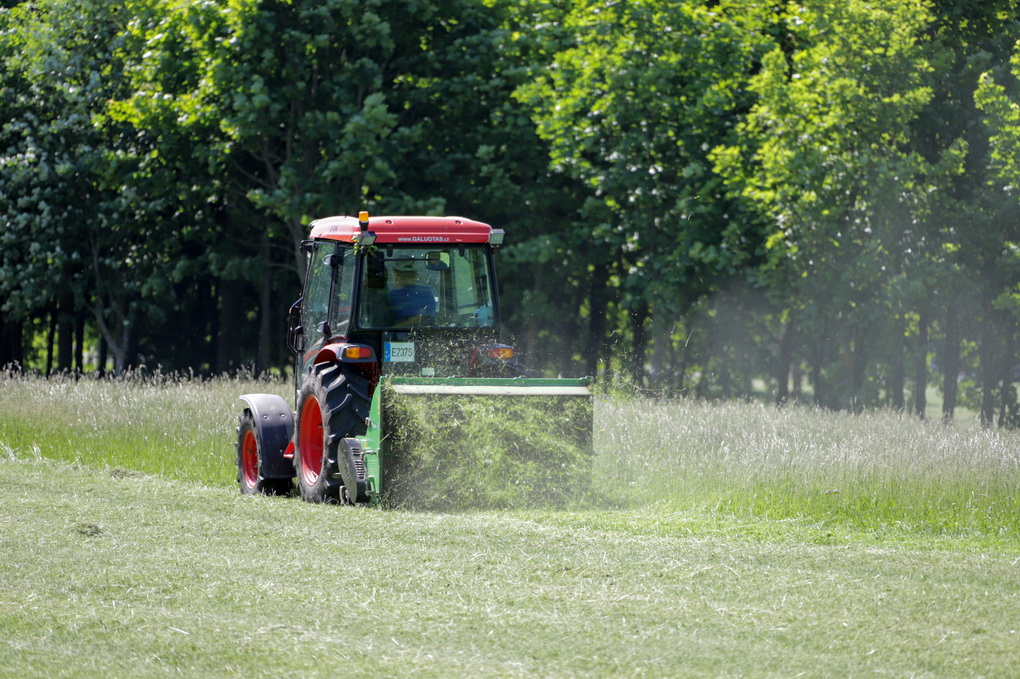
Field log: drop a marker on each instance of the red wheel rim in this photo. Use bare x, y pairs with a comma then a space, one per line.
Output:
250, 459
310, 441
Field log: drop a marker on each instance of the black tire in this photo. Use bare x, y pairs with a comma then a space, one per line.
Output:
249, 461
332, 405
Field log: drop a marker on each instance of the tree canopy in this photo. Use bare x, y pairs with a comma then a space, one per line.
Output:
806, 200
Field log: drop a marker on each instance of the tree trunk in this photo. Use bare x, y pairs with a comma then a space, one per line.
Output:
663, 323
79, 343
573, 342
989, 366
298, 232
51, 335
120, 362
703, 358
951, 363
784, 362
228, 358
640, 348
596, 319
262, 356
678, 368
198, 351
11, 337
817, 379
1009, 361
528, 343
65, 342
725, 378
898, 369
921, 368
131, 348
858, 364
116, 338
65, 333
104, 355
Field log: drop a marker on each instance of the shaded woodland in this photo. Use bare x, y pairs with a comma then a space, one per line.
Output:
813, 201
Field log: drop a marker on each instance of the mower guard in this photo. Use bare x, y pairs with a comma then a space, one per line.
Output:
378, 439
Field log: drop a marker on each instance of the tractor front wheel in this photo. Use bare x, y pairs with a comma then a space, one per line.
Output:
332, 405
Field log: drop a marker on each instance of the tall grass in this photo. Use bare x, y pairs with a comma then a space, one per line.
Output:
174, 426
877, 470
873, 470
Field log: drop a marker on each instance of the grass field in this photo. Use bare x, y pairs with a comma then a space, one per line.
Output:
724, 540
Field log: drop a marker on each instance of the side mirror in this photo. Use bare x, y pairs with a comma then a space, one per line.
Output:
437, 261
296, 333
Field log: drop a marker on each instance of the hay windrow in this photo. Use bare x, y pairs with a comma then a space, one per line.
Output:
445, 452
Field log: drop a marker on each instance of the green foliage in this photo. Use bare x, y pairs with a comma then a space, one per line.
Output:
829, 139
308, 107
1001, 106
89, 233
700, 197
630, 108
870, 196
50, 155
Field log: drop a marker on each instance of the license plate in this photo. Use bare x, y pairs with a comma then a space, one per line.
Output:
399, 352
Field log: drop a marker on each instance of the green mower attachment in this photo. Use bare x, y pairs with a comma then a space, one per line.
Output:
477, 442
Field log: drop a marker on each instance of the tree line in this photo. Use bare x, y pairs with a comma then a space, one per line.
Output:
812, 200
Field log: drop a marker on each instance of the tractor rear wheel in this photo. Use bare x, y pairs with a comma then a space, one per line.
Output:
250, 457
332, 405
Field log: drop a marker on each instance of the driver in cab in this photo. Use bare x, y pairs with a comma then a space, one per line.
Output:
410, 301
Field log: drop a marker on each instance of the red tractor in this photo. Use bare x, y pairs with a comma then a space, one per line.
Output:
409, 301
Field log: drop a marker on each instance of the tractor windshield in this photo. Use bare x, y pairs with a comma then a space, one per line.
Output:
442, 287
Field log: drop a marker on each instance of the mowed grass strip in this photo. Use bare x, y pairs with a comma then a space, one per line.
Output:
106, 573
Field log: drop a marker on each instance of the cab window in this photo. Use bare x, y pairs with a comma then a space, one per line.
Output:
445, 287
315, 303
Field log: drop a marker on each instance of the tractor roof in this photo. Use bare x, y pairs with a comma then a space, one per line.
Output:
407, 230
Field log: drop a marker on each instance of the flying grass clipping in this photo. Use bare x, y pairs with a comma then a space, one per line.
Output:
452, 452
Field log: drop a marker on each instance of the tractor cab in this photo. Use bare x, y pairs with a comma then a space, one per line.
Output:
401, 296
